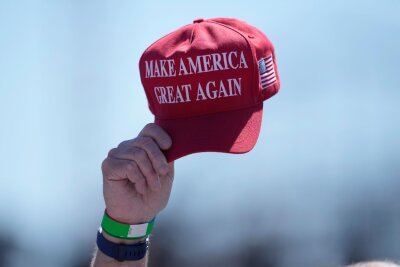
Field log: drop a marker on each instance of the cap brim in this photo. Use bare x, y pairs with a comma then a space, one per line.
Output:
230, 132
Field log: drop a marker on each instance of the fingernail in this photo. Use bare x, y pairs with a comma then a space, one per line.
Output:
165, 142
168, 143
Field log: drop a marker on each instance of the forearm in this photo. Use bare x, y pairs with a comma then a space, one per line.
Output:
102, 260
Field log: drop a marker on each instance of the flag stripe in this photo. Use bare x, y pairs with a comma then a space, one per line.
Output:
268, 60
267, 74
268, 82
269, 79
267, 65
271, 69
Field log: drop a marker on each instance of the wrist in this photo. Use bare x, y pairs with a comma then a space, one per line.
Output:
120, 252
120, 216
122, 230
117, 240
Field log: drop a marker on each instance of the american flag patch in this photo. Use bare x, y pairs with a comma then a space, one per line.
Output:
267, 72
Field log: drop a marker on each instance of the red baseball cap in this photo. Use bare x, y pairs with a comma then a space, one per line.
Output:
206, 82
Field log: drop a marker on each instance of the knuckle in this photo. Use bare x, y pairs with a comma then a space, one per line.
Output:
151, 129
104, 165
150, 126
112, 152
133, 169
107, 166
138, 154
146, 141
130, 166
153, 150
123, 143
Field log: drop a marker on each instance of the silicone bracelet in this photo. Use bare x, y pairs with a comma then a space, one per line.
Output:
126, 231
122, 252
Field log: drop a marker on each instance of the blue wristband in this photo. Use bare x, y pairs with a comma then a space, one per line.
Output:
121, 252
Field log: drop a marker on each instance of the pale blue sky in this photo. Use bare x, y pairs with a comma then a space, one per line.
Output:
70, 91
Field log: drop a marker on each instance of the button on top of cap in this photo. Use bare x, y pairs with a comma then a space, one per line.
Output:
198, 20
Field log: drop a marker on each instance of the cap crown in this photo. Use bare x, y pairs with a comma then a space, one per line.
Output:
208, 67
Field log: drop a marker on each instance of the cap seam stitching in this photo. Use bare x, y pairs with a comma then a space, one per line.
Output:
141, 57
192, 34
248, 43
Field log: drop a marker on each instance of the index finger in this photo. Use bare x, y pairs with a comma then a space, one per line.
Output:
155, 132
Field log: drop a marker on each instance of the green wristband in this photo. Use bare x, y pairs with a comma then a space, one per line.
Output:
126, 231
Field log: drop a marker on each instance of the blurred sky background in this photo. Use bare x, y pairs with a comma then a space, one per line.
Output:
321, 188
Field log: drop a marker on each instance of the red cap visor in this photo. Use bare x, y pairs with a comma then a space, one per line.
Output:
230, 132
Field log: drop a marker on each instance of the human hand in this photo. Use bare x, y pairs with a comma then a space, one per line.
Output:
137, 179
